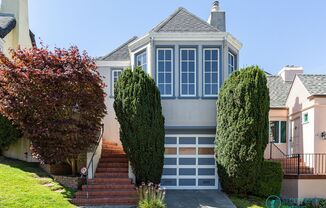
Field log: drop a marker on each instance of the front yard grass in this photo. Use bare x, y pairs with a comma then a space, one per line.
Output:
26, 185
247, 202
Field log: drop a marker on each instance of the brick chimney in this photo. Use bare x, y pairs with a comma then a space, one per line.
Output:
217, 17
289, 72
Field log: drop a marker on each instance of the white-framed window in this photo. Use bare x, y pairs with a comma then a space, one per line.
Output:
164, 71
211, 68
141, 60
305, 118
114, 78
188, 72
278, 131
231, 62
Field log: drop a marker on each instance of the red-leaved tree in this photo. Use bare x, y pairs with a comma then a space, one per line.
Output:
55, 97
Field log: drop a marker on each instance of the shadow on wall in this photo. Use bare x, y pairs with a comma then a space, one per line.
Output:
296, 139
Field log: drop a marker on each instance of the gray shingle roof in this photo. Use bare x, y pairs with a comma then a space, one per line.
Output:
7, 23
314, 83
119, 54
184, 21
278, 91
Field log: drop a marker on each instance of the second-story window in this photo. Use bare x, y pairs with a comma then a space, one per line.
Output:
188, 72
141, 60
164, 61
231, 63
114, 78
211, 66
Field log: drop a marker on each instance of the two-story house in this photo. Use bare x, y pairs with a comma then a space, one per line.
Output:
189, 59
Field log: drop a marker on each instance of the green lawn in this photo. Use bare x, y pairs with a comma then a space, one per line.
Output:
26, 185
247, 202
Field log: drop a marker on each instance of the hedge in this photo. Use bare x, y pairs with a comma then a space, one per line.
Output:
270, 179
8, 133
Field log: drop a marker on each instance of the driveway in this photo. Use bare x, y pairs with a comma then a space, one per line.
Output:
197, 199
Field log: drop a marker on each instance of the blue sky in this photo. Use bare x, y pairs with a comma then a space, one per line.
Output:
274, 33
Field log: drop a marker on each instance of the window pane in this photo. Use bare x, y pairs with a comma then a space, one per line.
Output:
168, 89
214, 89
275, 131
191, 55
207, 78
184, 55
214, 54
191, 67
214, 66
214, 77
161, 55
191, 78
283, 131
207, 55
207, 66
168, 78
160, 66
160, 77
207, 89
184, 66
184, 78
191, 89
168, 55
161, 88
184, 89
168, 66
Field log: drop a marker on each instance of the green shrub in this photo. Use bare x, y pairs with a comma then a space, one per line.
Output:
8, 133
242, 129
151, 196
270, 179
139, 112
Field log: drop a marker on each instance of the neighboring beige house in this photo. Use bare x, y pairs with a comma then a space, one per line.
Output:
298, 129
14, 32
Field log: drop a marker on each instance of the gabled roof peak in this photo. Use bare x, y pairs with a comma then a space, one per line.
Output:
184, 21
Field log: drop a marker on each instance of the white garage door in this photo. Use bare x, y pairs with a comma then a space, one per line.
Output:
189, 162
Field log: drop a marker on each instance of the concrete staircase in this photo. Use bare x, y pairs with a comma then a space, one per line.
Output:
111, 185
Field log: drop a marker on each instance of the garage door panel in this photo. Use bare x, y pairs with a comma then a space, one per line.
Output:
169, 171
187, 182
187, 171
189, 162
170, 161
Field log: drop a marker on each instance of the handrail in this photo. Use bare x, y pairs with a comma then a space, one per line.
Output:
274, 145
91, 162
303, 164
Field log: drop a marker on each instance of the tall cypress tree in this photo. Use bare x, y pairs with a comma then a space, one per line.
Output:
138, 108
242, 129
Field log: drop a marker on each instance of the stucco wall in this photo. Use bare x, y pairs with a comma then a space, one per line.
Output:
304, 188
20, 150
320, 121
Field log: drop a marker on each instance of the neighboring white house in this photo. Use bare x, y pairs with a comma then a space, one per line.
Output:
189, 59
14, 32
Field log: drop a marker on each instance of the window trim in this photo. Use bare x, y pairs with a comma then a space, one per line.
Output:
172, 70
218, 72
140, 53
234, 62
112, 79
180, 72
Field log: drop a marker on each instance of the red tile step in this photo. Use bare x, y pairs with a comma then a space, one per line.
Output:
106, 201
103, 194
